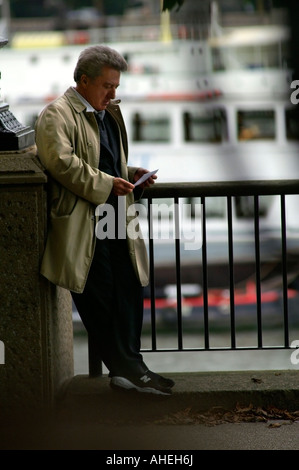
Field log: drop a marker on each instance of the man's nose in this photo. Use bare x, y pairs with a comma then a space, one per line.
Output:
112, 93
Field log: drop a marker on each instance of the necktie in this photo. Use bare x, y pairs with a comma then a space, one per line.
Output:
103, 131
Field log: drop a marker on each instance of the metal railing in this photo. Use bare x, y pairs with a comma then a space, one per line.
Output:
229, 191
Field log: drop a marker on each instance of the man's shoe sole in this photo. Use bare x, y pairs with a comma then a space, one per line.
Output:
125, 384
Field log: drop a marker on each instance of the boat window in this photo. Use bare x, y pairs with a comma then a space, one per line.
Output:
255, 125
151, 127
292, 128
66, 58
161, 208
208, 125
34, 59
245, 206
215, 207
217, 60
250, 57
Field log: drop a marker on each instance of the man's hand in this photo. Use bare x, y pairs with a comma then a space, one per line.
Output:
122, 187
140, 172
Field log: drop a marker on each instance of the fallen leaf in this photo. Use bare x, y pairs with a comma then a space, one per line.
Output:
258, 381
219, 415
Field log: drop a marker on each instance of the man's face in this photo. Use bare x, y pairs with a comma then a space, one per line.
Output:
100, 90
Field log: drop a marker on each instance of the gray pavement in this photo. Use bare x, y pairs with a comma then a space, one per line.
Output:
252, 410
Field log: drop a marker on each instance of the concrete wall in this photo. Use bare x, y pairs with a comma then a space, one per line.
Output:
35, 316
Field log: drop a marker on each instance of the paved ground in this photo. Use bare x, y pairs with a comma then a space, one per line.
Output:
208, 411
154, 437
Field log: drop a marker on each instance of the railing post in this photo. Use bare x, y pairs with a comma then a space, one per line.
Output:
257, 272
231, 271
94, 358
284, 271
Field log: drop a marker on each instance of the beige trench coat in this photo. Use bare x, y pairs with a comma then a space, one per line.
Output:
67, 140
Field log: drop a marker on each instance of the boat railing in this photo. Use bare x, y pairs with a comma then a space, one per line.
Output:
203, 320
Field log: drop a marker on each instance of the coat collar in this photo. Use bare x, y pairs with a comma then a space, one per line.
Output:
89, 108
77, 103
80, 104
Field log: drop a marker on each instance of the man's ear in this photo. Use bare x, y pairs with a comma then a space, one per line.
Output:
84, 79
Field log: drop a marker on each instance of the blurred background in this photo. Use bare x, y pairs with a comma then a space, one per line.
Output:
207, 97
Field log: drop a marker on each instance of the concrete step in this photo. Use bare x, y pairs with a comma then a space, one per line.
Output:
197, 392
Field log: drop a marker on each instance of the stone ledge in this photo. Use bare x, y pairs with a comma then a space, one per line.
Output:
200, 391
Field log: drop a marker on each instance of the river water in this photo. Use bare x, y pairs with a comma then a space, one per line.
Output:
200, 361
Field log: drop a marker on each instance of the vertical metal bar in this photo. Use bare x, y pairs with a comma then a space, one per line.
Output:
257, 270
178, 271
284, 270
94, 358
231, 271
152, 274
205, 276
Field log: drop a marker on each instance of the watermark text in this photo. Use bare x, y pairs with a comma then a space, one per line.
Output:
295, 354
168, 222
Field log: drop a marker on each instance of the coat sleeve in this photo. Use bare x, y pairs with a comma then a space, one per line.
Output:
57, 146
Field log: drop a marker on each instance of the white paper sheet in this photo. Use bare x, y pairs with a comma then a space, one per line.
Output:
145, 177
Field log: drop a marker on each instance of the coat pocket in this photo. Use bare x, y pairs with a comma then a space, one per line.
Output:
64, 204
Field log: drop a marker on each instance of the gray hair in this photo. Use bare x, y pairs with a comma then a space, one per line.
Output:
94, 58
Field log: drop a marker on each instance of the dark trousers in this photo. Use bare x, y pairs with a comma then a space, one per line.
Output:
111, 308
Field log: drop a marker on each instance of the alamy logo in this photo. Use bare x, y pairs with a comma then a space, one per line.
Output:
169, 222
2, 353
294, 95
295, 354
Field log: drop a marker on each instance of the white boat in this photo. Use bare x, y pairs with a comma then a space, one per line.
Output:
199, 111
222, 108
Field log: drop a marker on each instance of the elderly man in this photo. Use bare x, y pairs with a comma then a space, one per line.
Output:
82, 142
